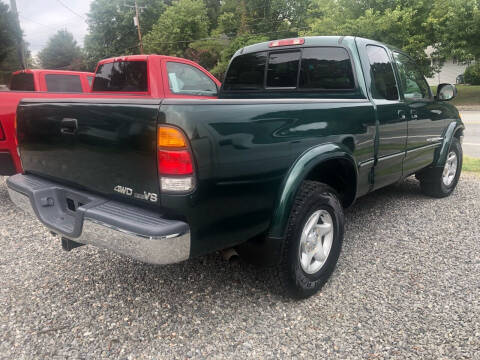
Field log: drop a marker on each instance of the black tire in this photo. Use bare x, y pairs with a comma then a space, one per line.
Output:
289, 274
431, 180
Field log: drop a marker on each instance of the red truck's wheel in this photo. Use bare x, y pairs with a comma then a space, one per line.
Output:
313, 241
441, 182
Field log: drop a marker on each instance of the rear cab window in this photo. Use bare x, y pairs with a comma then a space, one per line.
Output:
63, 83
22, 82
121, 76
306, 69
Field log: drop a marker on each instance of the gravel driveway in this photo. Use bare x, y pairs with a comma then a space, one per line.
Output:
407, 285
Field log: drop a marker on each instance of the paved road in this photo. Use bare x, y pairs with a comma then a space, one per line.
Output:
471, 142
407, 286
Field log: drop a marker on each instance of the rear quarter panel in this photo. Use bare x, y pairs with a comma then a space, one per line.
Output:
243, 150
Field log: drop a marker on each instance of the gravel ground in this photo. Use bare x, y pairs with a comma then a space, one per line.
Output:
407, 286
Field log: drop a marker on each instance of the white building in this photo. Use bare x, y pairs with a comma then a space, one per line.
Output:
449, 72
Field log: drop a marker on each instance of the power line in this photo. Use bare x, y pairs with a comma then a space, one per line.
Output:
70, 9
36, 22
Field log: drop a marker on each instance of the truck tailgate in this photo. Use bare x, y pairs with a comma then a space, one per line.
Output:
104, 145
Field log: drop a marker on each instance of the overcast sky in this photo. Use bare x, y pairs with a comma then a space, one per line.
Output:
40, 19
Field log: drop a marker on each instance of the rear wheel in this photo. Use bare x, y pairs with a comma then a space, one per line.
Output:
441, 182
313, 241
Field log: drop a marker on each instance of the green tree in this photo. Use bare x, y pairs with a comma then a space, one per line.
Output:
398, 23
207, 52
182, 23
263, 17
227, 53
111, 28
61, 52
472, 74
455, 27
9, 38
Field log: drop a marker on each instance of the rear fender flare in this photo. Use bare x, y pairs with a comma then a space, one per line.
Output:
297, 174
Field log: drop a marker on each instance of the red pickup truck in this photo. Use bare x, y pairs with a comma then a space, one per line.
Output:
152, 76
57, 81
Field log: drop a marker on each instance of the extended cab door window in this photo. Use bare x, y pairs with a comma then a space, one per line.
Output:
184, 79
63, 83
384, 85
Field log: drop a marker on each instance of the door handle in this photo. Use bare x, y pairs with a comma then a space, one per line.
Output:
68, 126
413, 115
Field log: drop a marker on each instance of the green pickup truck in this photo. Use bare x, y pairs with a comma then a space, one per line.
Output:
300, 130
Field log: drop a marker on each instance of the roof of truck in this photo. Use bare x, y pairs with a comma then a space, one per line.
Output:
308, 41
137, 58
50, 71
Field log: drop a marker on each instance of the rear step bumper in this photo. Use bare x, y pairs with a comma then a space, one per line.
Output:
89, 219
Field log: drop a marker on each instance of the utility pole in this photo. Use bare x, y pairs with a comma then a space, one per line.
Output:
20, 44
138, 28
136, 21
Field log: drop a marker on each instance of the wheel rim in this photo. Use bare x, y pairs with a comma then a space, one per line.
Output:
450, 169
316, 241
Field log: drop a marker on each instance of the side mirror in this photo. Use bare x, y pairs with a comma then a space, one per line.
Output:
446, 92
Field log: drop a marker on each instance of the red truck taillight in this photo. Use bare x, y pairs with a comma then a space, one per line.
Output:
175, 163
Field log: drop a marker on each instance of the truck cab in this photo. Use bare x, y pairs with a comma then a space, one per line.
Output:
58, 81
155, 76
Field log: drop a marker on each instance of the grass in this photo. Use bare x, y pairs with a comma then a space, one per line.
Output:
471, 164
467, 95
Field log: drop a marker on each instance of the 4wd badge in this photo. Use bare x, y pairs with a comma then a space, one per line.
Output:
148, 196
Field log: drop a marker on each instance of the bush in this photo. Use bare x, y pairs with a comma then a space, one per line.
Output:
472, 74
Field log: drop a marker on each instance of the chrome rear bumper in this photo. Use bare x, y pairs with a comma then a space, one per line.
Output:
127, 230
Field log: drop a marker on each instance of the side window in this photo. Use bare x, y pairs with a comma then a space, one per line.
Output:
22, 82
384, 84
283, 69
185, 79
63, 83
413, 82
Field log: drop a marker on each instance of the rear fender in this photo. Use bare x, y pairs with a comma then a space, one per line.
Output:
297, 174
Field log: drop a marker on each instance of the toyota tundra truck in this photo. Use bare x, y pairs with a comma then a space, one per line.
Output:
301, 129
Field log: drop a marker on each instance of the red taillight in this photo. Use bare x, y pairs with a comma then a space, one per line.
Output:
287, 42
175, 162
2, 134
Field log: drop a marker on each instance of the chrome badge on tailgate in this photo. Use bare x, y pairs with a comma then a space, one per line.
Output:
124, 190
